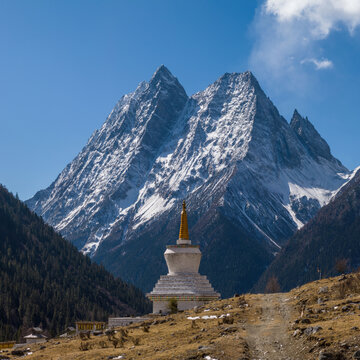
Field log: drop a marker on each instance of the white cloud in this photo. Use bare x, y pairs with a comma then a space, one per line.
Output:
322, 15
319, 64
289, 33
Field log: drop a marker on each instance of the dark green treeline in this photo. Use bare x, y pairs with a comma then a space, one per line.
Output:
45, 281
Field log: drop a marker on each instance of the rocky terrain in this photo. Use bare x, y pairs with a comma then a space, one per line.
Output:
249, 177
319, 320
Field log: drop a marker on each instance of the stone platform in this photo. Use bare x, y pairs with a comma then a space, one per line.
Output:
188, 289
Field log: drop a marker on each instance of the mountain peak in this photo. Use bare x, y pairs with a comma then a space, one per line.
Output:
164, 79
247, 75
309, 136
162, 69
234, 79
164, 74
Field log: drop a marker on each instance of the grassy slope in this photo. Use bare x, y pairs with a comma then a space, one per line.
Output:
174, 336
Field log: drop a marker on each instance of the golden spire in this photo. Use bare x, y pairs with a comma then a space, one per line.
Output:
184, 232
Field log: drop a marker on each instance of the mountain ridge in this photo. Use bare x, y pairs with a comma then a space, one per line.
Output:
225, 149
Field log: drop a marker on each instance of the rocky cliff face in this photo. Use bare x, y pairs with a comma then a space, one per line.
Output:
250, 180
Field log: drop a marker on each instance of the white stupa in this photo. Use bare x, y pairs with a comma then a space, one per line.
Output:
183, 283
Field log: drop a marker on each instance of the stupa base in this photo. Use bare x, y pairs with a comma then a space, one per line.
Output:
162, 307
187, 290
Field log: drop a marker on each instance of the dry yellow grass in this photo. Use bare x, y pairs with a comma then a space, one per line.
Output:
333, 305
257, 326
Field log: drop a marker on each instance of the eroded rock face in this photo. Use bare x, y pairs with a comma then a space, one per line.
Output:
308, 135
246, 174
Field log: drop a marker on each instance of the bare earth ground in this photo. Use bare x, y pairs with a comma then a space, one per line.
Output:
322, 316
268, 335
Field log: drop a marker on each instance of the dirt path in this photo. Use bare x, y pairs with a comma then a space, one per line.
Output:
268, 334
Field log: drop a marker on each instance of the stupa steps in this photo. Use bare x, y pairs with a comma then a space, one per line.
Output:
184, 285
171, 290
192, 288
180, 288
196, 280
184, 281
185, 277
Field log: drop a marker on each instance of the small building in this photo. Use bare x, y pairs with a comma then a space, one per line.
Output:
35, 338
36, 329
183, 286
125, 321
4, 345
90, 326
35, 335
69, 331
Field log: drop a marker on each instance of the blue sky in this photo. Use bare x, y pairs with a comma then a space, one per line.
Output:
64, 64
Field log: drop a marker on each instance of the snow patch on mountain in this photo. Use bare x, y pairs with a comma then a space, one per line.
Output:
154, 206
347, 177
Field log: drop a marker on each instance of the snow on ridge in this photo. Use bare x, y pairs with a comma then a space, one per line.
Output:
347, 178
292, 213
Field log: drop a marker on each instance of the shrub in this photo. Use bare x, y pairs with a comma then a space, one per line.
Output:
103, 344
341, 265
272, 286
84, 346
115, 341
228, 320
146, 328
173, 306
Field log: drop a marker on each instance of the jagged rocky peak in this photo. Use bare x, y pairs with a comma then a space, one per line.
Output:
246, 76
163, 78
230, 82
164, 74
309, 136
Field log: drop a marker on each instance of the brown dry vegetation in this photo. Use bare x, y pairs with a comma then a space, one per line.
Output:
319, 316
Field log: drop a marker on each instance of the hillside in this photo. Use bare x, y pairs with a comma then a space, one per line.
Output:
333, 235
317, 321
45, 281
240, 166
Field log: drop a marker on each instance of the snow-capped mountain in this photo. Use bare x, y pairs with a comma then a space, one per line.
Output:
245, 172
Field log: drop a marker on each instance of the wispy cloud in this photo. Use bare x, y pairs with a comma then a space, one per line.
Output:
319, 64
288, 34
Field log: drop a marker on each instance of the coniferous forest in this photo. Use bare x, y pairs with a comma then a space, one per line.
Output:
45, 281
